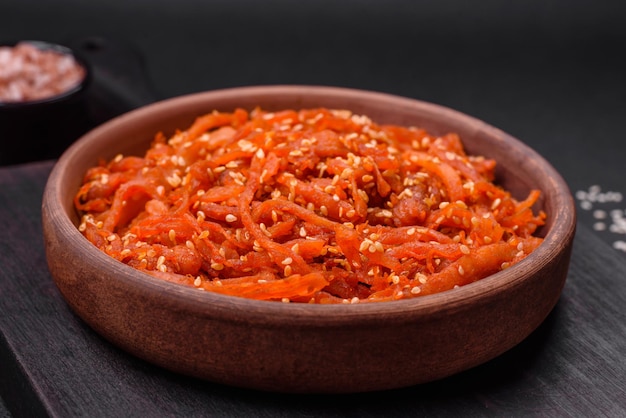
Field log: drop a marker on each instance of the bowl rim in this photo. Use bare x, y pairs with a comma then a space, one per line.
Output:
287, 314
66, 95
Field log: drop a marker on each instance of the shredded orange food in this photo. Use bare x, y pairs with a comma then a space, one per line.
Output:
313, 205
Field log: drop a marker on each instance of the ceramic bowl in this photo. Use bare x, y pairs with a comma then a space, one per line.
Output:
306, 348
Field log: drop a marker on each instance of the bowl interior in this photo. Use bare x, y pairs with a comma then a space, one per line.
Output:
519, 168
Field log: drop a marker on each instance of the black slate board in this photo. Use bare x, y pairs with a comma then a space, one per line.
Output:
54, 365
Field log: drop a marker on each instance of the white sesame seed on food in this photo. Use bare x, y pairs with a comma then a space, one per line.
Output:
230, 218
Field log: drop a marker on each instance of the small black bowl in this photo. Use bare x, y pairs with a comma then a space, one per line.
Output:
42, 129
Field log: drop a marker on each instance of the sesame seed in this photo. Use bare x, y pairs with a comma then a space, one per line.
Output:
461, 270
288, 261
487, 239
197, 282
172, 235
264, 229
464, 249
287, 271
174, 180
416, 290
230, 218
410, 231
217, 266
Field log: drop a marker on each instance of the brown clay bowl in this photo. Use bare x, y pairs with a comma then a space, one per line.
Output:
303, 348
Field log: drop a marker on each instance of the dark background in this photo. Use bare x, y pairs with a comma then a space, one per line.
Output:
552, 73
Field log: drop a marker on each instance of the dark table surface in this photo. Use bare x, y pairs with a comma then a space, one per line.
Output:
550, 73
